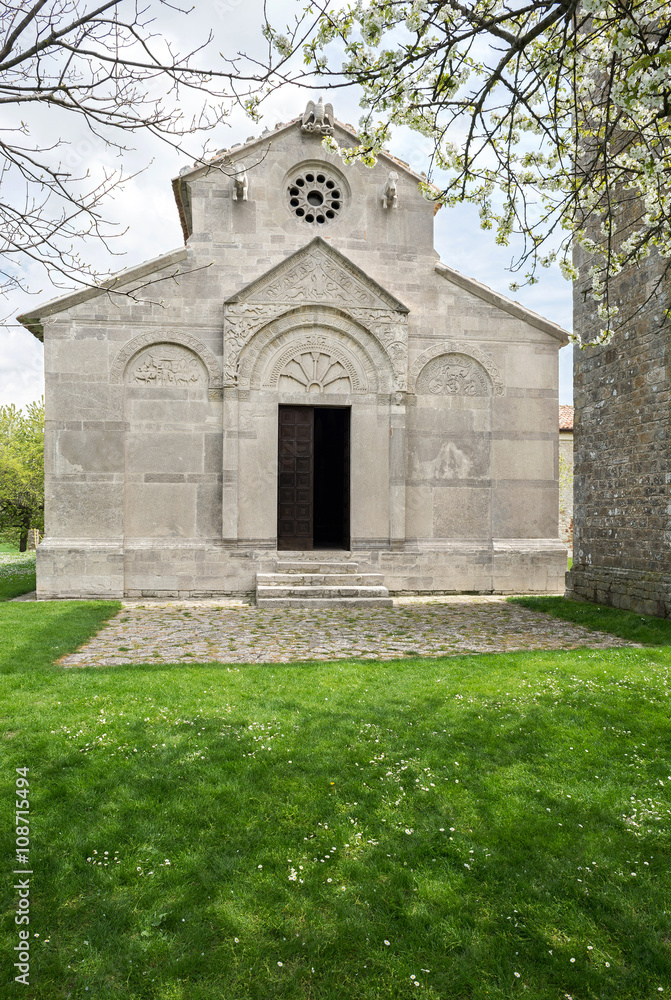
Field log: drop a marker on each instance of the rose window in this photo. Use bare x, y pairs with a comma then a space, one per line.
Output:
315, 197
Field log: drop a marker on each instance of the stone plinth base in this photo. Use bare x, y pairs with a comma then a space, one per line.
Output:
501, 566
80, 568
197, 568
648, 593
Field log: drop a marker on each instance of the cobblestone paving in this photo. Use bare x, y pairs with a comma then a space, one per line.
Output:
236, 632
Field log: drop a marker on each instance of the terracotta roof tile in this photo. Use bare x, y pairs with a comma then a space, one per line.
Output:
565, 418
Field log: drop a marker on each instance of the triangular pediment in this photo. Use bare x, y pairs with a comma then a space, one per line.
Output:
318, 274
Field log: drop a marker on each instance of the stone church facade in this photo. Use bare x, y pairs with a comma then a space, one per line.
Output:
303, 376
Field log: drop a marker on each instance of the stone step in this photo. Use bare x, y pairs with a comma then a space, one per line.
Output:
321, 592
313, 580
324, 602
320, 579
315, 566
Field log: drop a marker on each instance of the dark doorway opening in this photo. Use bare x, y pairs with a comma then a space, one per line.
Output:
331, 478
313, 478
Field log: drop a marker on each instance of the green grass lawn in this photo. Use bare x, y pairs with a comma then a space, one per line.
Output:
645, 629
17, 572
472, 827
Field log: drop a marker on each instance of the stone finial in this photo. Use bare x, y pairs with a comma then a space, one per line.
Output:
318, 119
240, 183
389, 193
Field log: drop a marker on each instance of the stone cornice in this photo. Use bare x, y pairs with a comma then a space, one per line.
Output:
33, 320
501, 302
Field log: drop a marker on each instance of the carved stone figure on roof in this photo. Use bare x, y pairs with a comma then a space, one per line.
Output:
240, 183
318, 118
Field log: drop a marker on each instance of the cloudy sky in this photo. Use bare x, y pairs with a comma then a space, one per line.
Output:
145, 215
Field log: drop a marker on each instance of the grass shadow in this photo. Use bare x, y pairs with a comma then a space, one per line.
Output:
35, 634
647, 630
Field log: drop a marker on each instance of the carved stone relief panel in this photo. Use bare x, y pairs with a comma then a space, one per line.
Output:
436, 458
166, 365
391, 329
177, 349
455, 369
315, 365
241, 321
454, 375
357, 351
316, 278
318, 362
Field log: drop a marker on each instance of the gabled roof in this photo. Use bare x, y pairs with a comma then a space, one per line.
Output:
501, 302
33, 320
231, 154
318, 273
227, 157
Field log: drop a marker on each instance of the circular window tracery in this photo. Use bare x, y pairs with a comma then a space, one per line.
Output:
315, 196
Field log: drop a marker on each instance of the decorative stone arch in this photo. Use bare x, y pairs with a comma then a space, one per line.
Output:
469, 353
315, 363
325, 330
129, 352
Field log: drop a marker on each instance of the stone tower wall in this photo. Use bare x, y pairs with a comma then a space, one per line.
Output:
622, 451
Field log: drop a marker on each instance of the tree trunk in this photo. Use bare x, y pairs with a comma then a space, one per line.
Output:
23, 540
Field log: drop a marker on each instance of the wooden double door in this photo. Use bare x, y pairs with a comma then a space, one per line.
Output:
313, 509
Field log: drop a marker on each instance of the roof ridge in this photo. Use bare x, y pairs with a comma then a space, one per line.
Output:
225, 152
